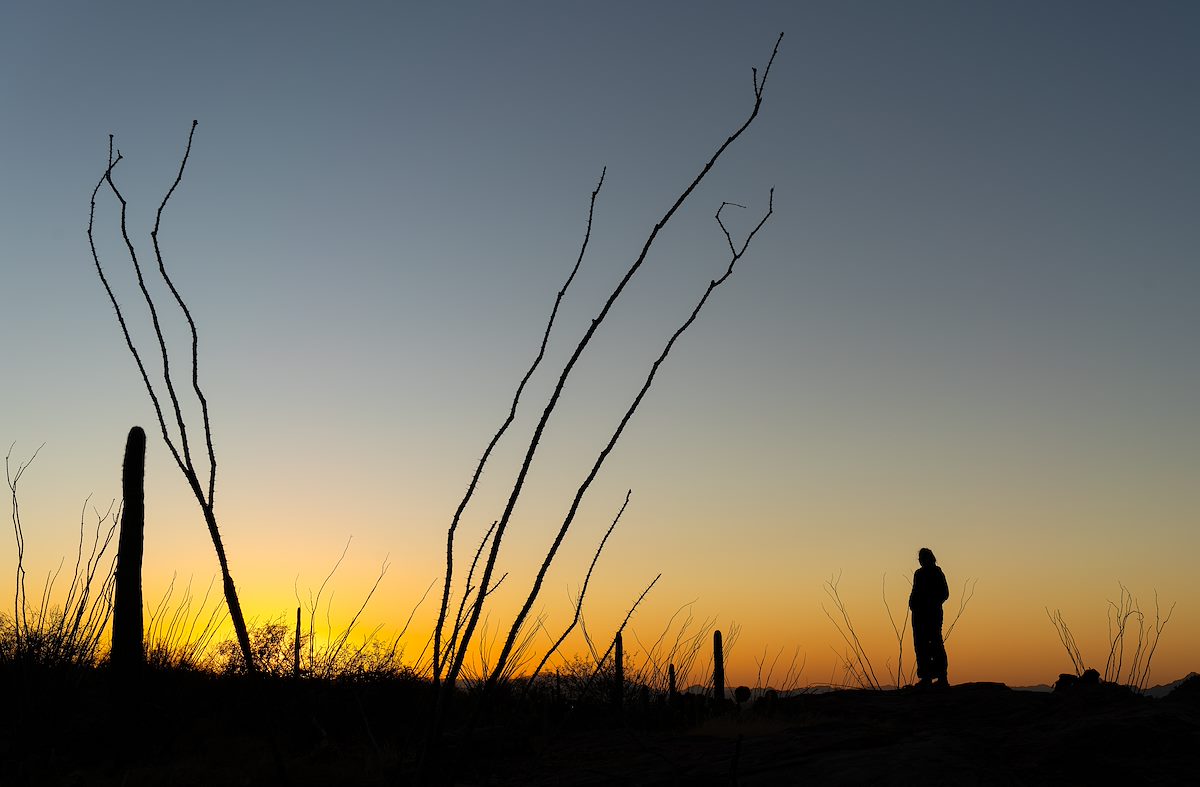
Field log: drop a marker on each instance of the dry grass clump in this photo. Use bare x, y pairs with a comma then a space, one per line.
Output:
274, 647
71, 632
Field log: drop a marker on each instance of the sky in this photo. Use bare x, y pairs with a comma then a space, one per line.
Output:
969, 323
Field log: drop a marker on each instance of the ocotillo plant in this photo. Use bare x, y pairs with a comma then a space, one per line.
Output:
127, 652
619, 673
450, 668
718, 668
179, 446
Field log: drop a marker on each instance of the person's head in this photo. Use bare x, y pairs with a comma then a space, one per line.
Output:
925, 557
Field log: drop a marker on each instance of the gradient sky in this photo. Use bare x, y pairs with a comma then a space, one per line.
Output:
971, 323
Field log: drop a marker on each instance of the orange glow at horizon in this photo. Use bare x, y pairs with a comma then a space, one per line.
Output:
774, 597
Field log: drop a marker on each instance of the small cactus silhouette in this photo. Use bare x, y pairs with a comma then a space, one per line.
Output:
671, 689
296, 645
718, 668
128, 654
619, 673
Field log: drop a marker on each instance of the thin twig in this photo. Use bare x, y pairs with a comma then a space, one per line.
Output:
968, 593
613, 644
863, 669
582, 592
512, 412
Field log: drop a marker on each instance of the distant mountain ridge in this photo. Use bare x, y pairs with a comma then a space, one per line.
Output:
1158, 692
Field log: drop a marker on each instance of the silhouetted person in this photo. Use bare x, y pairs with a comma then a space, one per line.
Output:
929, 590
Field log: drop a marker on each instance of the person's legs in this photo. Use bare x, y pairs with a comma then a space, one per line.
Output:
923, 646
937, 650
938, 662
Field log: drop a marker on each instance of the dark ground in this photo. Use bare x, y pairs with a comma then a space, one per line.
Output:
979, 733
80, 729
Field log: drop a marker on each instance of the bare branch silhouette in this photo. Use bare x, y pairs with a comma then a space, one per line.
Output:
583, 487
968, 593
212, 458
1119, 617
899, 631
314, 602
620, 629
467, 590
1066, 638
53, 635
582, 592
518, 485
856, 660
14, 479
181, 453
1140, 674
512, 412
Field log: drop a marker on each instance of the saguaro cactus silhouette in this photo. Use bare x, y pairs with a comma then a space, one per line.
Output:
296, 648
127, 652
618, 686
718, 668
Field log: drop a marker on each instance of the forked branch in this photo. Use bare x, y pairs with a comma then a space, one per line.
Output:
587, 482
582, 592
613, 643
856, 660
968, 593
181, 453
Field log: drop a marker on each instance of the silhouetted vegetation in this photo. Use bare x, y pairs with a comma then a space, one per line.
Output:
357, 712
857, 669
182, 453
1132, 641
446, 669
128, 651
283, 702
69, 633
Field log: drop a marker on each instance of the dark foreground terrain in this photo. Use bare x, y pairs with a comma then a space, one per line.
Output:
979, 733
189, 729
